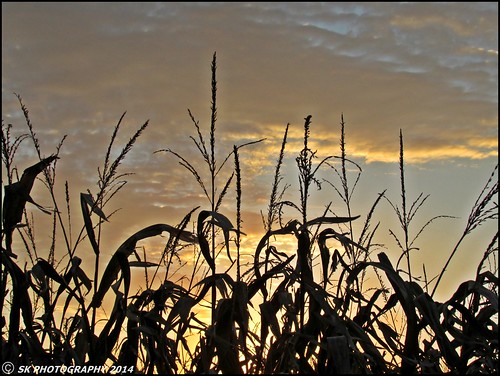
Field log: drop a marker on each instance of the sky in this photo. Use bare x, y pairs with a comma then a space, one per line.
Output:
427, 69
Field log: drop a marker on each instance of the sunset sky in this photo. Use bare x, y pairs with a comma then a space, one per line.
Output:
429, 69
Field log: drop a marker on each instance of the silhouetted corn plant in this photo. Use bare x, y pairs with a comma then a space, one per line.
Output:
209, 223
484, 209
406, 215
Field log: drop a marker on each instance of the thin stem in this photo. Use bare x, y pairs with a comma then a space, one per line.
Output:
345, 184
404, 219
213, 174
238, 211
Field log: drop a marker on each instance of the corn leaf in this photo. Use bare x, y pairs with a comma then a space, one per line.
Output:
49, 271
141, 264
93, 206
17, 194
330, 220
88, 223
268, 312
204, 246
290, 228
119, 258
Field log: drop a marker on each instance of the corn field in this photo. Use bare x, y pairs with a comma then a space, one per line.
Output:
301, 308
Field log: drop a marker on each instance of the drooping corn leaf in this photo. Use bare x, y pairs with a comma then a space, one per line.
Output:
18, 193
222, 222
378, 363
365, 312
49, 271
268, 314
469, 287
142, 264
83, 278
93, 206
391, 339
204, 247
89, 227
404, 292
181, 309
217, 280
430, 314
259, 282
119, 258
330, 220
325, 256
21, 302
290, 228
109, 334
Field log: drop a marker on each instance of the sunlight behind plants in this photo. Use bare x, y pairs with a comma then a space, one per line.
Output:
313, 293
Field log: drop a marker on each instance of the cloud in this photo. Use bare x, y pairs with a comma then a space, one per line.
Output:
379, 64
